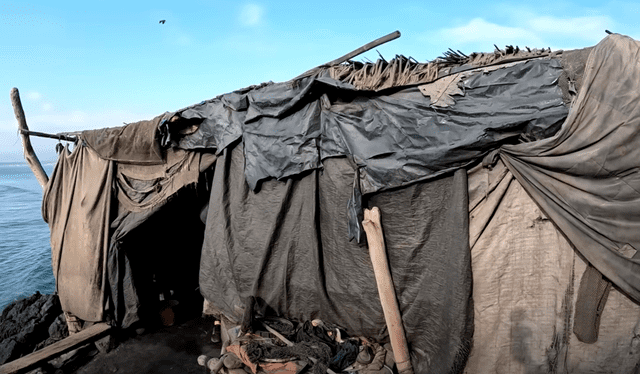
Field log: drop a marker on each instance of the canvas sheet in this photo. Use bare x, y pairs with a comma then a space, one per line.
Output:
287, 245
77, 204
525, 282
586, 178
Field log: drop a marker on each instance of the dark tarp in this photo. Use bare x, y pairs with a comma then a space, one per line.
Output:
142, 191
395, 136
288, 245
586, 178
77, 204
134, 143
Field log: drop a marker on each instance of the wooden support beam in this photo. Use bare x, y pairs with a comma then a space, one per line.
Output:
354, 53
62, 136
29, 153
373, 228
32, 360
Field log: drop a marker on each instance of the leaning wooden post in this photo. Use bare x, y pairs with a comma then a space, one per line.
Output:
29, 153
377, 251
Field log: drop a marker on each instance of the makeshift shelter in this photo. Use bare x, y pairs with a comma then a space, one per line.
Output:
501, 179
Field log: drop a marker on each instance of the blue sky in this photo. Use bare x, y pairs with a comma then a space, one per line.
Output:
98, 64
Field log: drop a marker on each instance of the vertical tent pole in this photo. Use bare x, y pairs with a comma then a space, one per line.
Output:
29, 153
375, 239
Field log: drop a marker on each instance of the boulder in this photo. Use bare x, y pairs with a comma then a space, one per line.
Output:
25, 324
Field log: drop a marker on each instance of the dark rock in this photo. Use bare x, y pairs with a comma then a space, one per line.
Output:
7, 350
59, 329
26, 323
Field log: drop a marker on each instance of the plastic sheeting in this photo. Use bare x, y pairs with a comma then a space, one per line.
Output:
586, 177
395, 136
525, 289
288, 246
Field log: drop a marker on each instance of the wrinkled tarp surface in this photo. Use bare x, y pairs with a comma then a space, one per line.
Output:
287, 245
525, 289
133, 143
586, 177
395, 136
142, 191
77, 204
92, 272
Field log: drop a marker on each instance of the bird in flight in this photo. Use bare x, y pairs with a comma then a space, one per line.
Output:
162, 21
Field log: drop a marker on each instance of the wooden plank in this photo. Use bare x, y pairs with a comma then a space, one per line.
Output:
31, 361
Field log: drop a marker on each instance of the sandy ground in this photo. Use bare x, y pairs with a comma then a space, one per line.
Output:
163, 350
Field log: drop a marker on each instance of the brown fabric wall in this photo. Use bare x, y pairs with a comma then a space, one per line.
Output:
586, 178
525, 282
76, 204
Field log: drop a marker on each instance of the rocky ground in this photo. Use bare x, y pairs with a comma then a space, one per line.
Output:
30, 324
37, 321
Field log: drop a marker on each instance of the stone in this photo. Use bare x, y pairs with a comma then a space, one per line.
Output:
7, 350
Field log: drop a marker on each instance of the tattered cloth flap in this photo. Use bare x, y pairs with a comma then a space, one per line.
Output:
76, 205
134, 143
287, 244
586, 177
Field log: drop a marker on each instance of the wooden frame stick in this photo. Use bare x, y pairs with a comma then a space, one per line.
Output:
29, 153
377, 251
356, 52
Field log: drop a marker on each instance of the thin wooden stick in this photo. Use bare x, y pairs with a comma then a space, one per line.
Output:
61, 136
377, 251
29, 153
355, 52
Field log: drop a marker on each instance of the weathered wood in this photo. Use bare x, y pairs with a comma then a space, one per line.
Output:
48, 353
62, 136
365, 48
373, 228
29, 153
355, 52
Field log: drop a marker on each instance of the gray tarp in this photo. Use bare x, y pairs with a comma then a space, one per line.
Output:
287, 245
586, 178
394, 135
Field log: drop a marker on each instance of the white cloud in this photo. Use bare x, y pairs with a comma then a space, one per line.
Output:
251, 15
480, 31
34, 95
584, 28
47, 107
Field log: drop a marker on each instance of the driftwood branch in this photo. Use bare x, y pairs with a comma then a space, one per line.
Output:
29, 153
377, 251
354, 53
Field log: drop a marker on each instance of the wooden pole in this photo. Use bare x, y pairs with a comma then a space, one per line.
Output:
377, 251
355, 52
29, 153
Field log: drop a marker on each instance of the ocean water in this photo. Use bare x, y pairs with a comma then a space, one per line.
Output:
25, 252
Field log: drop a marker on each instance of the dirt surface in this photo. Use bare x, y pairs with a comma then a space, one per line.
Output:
163, 350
